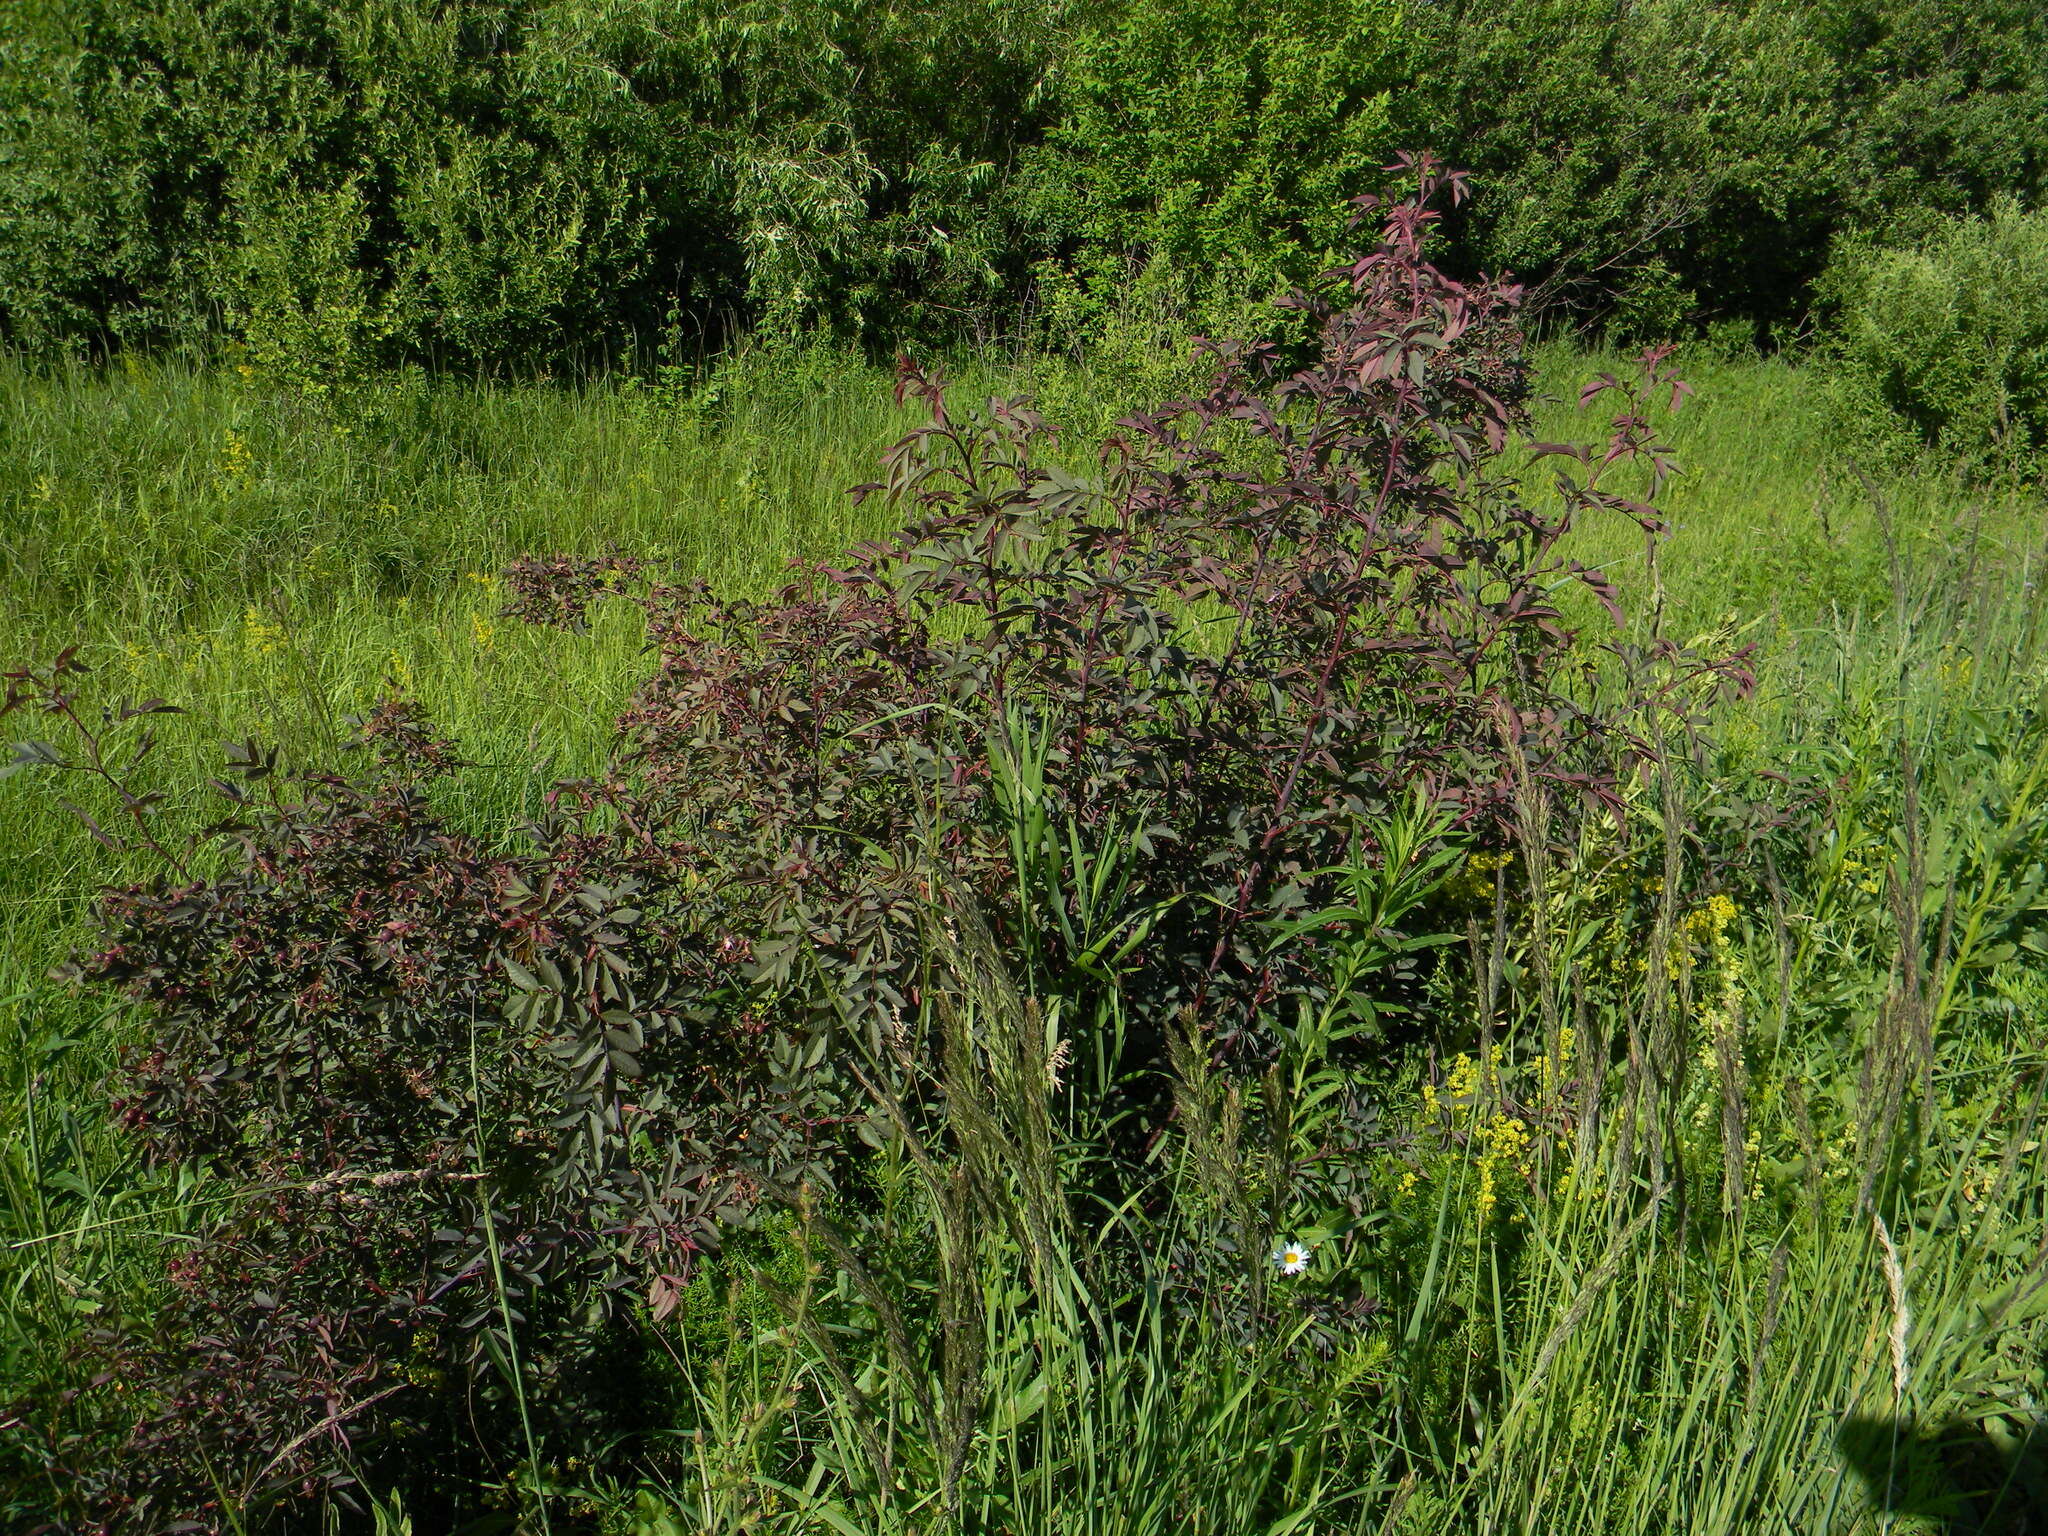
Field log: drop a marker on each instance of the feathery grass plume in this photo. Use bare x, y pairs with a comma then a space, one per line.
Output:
1209, 1107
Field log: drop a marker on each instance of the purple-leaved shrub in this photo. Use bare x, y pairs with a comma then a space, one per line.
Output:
487, 1105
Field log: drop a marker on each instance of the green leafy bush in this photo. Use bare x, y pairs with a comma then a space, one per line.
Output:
530, 184
489, 185
1608, 166
1942, 344
1668, 164
1209, 151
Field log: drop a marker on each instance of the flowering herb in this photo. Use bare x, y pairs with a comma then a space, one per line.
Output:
1291, 1258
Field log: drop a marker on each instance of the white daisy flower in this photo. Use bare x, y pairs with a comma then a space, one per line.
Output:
1291, 1258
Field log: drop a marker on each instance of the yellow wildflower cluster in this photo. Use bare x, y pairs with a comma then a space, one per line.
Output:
1557, 1068
1498, 1140
1461, 1087
235, 460
260, 637
1862, 875
138, 655
1711, 952
483, 629
1462, 1081
1473, 883
1708, 944
1703, 945
422, 1368
1503, 1139
1705, 928
1700, 933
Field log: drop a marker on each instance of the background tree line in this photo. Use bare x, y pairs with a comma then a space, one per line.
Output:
528, 185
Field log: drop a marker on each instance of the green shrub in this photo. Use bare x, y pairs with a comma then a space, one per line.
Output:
1603, 167
1209, 150
1664, 164
1942, 344
489, 185
533, 184
1653, 166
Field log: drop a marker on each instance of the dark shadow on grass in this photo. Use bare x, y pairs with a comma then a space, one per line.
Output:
1969, 1477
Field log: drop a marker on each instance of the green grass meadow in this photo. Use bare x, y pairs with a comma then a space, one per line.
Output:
1793, 1353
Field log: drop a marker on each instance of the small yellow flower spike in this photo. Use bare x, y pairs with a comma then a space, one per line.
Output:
235, 460
1462, 1079
1503, 1139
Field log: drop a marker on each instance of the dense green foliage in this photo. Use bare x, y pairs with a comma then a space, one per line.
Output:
530, 184
1693, 163
1943, 344
502, 184
1208, 150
